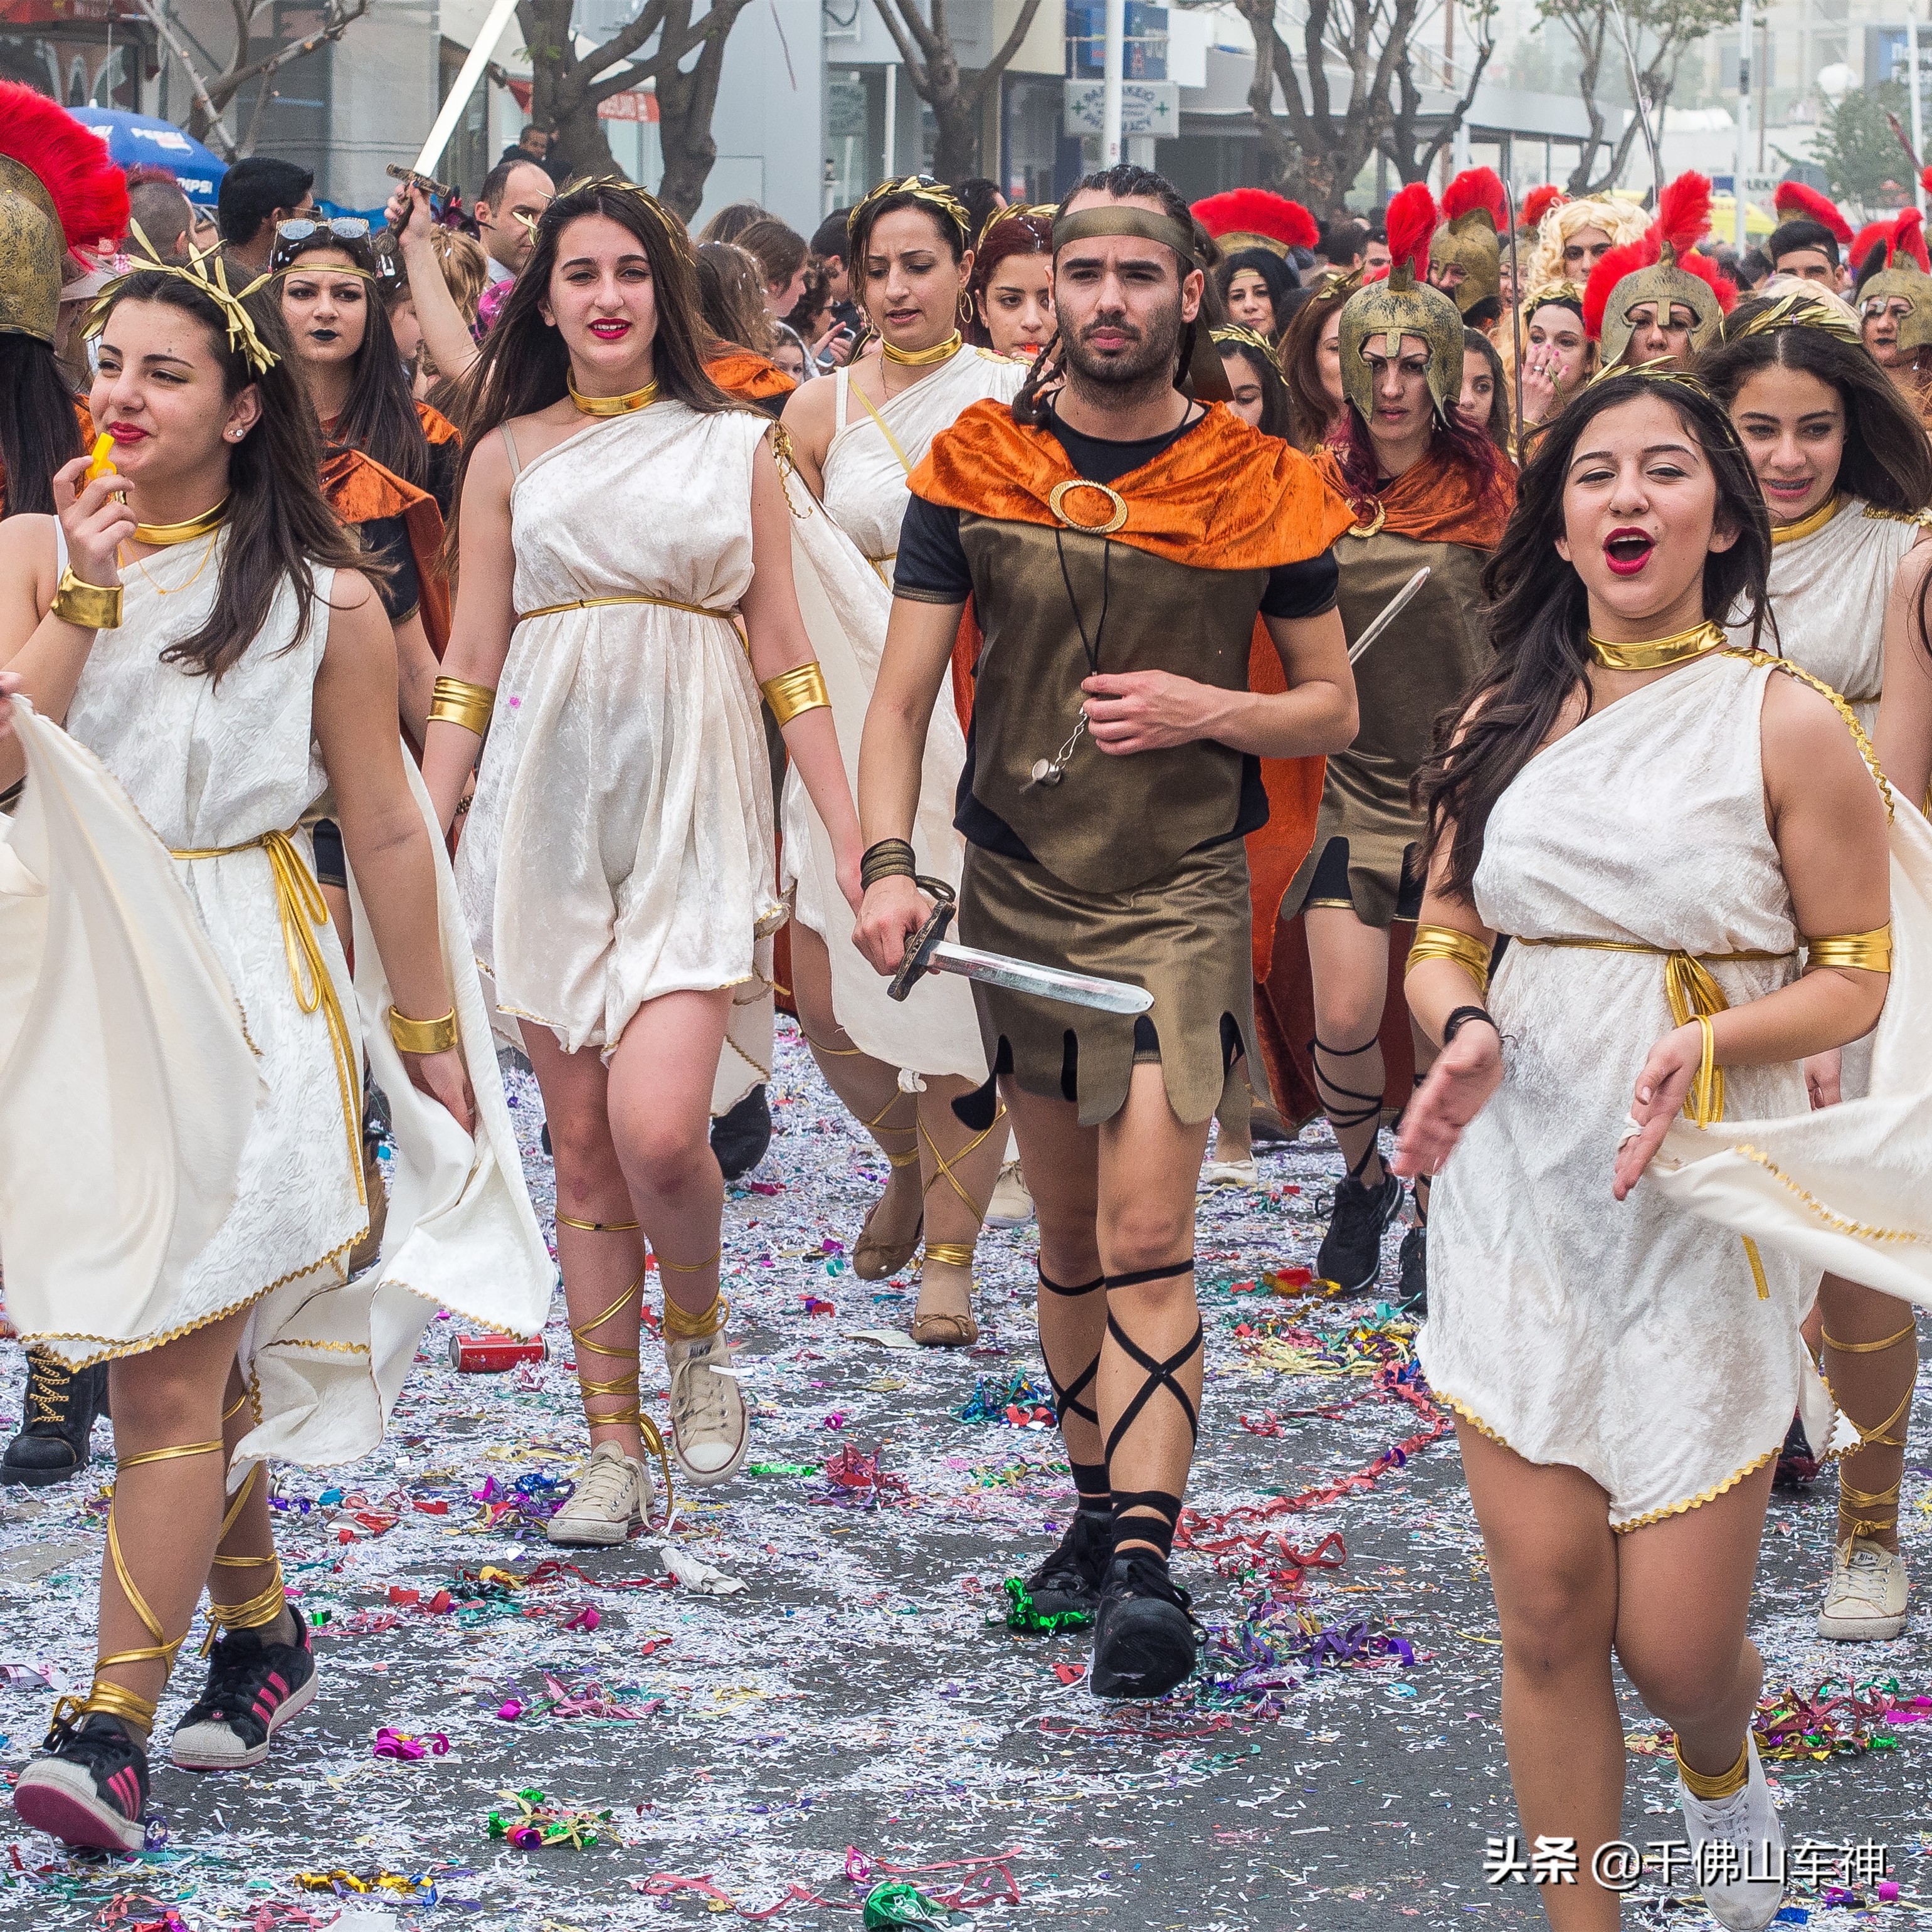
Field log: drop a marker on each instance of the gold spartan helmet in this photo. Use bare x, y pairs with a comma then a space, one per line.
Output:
33, 251
1383, 312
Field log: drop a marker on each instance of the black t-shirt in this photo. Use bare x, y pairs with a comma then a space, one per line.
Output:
931, 565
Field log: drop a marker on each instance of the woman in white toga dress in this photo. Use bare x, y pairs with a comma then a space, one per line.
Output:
173, 994
626, 584
1660, 822
1847, 474
855, 439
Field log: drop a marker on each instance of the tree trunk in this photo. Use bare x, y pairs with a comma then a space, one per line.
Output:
685, 104
580, 146
955, 154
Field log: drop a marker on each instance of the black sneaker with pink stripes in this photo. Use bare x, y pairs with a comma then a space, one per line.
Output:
253, 1688
91, 1787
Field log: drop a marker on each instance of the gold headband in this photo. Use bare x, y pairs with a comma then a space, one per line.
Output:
242, 335
296, 267
1014, 211
1659, 370
921, 188
1114, 218
672, 223
1234, 333
1798, 311
1564, 291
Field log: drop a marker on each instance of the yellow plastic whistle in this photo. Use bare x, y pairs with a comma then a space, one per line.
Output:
103, 455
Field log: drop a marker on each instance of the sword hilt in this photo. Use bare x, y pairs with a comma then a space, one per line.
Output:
919, 949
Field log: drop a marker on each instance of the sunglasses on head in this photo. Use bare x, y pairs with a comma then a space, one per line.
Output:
291, 235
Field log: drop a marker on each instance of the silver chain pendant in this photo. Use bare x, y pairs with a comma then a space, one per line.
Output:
1050, 771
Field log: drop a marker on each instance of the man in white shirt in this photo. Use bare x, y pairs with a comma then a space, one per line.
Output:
515, 193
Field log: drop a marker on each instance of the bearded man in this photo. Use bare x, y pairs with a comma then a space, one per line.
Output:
1117, 532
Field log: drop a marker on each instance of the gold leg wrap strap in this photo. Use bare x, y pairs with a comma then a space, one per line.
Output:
1868, 1438
595, 1227
655, 1442
624, 1384
116, 1700
1851, 1500
693, 1267
1910, 1329
1726, 1783
688, 1327
950, 1254
944, 1165
909, 1158
235, 1407
258, 1611
170, 1455
832, 1052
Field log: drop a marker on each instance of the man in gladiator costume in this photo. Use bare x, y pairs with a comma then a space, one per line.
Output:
1117, 542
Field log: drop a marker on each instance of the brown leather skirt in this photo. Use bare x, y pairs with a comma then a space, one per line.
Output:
1184, 936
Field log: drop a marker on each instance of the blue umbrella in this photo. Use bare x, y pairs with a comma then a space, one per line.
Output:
134, 138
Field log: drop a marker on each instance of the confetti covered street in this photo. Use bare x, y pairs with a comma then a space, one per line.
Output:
809, 1688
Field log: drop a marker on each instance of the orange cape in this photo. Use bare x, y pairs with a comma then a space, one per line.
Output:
746, 374
1222, 497
436, 427
1435, 502
359, 489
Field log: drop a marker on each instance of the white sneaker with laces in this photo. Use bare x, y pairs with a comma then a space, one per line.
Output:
1231, 1173
711, 1430
1011, 1205
1865, 1600
1737, 1850
612, 1493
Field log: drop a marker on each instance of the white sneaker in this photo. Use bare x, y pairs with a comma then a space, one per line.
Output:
1866, 1598
711, 1431
1737, 1850
1011, 1205
1231, 1173
612, 1493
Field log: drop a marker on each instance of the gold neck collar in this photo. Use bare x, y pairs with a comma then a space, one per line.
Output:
158, 536
1660, 652
624, 405
1807, 525
922, 359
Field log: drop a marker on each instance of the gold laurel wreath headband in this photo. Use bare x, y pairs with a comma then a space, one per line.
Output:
1014, 211
1248, 338
241, 334
921, 188
1798, 311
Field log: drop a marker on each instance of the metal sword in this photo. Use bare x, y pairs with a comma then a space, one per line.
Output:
1517, 293
929, 950
1390, 612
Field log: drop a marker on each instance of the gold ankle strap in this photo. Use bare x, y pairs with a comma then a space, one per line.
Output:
950, 1254
909, 1158
693, 1267
1911, 1328
116, 1700
688, 1327
623, 1385
170, 1455
257, 1612
1702, 1785
1852, 1500
943, 1164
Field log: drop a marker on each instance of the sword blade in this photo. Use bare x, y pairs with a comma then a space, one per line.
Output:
1390, 611
1046, 982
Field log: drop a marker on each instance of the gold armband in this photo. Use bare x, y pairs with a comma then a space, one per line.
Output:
1872, 950
1445, 942
456, 702
91, 607
423, 1035
792, 691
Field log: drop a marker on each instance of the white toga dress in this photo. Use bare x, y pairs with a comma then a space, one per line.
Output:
620, 846
204, 1154
1628, 1340
842, 555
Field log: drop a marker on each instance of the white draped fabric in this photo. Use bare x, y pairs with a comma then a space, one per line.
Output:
150, 1000
841, 556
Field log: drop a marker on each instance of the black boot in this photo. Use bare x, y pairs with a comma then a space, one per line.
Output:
61, 1404
740, 1138
1145, 1638
1412, 1295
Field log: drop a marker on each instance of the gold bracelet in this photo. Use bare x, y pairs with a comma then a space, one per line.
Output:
423, 1035
1871, 950
456, 702
793, 691
88, 607
1445, 942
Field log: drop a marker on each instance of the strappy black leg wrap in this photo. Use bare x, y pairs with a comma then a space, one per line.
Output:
1067, 1395
1366, 1107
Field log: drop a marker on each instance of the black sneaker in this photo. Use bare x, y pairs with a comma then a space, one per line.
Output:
1145, 1641
91, 1787
61, 1404
253, 1688
1069, 1581
1412, 1293
1797, 1464
1351, 1250
740, 1138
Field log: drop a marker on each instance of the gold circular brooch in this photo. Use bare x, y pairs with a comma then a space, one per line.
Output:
1056, 502
1375, 524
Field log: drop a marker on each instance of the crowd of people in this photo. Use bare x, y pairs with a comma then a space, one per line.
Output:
1471, 684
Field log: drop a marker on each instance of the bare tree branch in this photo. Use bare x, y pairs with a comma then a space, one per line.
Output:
1008, 48
205, 108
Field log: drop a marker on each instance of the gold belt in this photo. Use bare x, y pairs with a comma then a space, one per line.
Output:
634, 597
1693, 994
298, 900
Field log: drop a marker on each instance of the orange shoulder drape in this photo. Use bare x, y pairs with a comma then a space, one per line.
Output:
359, 489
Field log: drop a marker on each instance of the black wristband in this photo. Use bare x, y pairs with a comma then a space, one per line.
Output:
889, 859
1461, 1018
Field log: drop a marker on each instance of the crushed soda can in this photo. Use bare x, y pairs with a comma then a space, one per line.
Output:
491, 1355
